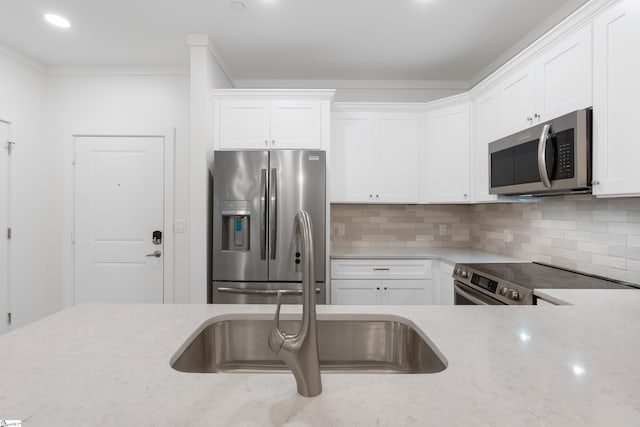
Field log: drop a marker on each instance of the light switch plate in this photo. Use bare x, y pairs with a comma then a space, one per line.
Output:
341, 229
180, 226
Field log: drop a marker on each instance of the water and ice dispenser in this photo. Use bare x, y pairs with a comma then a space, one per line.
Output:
236, 228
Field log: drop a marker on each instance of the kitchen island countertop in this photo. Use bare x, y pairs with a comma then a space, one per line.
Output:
97, 365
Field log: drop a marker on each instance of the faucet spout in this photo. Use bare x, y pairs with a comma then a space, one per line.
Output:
300, 350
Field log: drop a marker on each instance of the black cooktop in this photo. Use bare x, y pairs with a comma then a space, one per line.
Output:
540, 276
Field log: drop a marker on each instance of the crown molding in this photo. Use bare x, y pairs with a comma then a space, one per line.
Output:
321, 94
353, 84
577, 20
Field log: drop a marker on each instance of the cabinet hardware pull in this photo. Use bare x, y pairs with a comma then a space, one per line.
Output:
381, 269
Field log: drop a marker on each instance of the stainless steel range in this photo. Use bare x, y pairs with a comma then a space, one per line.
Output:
514, 283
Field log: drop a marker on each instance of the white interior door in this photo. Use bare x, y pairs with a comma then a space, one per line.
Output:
4, 225
119, 192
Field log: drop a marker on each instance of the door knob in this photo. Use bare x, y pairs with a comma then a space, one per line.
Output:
155, 254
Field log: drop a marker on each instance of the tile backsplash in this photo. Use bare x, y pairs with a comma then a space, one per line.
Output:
599, 236
401, 226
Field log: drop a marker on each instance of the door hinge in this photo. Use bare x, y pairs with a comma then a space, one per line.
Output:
8, 318
10, 145
9, 233
73, 238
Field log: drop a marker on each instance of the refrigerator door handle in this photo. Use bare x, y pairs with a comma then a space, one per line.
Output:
263, 213
273, 211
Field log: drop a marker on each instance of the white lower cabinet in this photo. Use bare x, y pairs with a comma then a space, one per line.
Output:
387, 282
373, 292
444, 288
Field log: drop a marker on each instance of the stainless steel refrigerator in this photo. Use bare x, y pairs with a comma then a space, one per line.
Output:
256, 195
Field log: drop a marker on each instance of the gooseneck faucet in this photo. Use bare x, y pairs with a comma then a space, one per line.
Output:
300, 350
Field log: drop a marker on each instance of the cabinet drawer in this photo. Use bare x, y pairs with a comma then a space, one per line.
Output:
381, 269
384, 292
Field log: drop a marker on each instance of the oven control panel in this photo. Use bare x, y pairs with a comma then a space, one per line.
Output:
484, 283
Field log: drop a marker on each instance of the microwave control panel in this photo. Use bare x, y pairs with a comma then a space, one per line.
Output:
565, 155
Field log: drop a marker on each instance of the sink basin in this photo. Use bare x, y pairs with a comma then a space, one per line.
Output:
380, 345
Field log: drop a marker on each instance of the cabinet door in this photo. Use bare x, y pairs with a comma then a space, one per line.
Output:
243, 125
351, 157
564, 76
516, 102
485, 130
355, 292
406, 292
445, 158
296, 124
445, 284
396, 139
616, 90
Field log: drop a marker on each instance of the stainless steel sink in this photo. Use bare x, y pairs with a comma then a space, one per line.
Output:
380, 345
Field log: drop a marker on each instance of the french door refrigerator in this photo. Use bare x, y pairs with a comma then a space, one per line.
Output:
256, 196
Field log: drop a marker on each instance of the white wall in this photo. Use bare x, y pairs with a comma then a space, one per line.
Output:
207, 72
84, 99
34, 250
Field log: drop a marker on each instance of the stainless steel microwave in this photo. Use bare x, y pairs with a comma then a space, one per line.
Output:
550, 158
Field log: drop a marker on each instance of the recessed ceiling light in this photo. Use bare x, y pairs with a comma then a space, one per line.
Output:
238, 6
57, 20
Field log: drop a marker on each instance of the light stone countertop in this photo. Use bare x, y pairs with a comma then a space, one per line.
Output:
586, 297
100, 365
450, 255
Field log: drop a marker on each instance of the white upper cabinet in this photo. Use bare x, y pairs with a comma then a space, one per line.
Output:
264, 119
565, 76
374, 157
444, 176
616, 91
243, 124
485, 130
296, 124
396, 138
352, 157
517, 95
555, 83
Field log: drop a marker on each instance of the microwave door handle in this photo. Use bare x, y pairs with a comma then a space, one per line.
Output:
542, 161
263, 213
273, 211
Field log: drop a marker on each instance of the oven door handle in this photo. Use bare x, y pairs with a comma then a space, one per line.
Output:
263, 292
469, 294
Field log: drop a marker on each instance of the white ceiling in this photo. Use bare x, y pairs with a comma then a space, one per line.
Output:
287, 39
